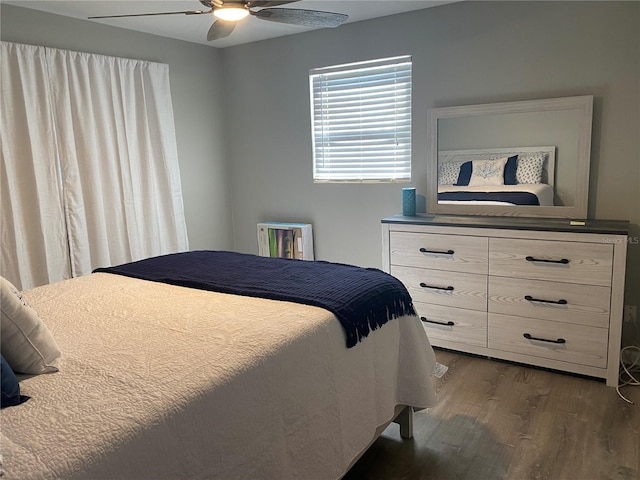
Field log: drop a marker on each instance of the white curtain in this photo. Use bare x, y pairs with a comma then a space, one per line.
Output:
33, 236
119, 159
115, 138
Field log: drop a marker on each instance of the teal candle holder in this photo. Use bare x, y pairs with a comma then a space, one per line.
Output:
409, 201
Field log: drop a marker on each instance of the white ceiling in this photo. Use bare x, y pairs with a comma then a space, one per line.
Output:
193, 28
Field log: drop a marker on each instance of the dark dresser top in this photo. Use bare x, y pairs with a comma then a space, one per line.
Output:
612, 227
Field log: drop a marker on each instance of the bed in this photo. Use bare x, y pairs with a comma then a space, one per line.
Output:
497, 176
158, 380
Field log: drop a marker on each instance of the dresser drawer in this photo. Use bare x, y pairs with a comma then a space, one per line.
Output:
582, 345
453, 253
574, 262
450, 324
564, 302
453, 289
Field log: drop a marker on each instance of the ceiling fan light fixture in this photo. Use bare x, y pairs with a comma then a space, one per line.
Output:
231, 13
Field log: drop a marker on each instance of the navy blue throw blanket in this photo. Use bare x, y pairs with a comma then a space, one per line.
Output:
517, 198
362, 299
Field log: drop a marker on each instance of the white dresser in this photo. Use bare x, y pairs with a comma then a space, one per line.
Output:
535, 291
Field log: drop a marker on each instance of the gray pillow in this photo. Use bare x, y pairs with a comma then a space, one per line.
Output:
448, 173
529, 170
26, 342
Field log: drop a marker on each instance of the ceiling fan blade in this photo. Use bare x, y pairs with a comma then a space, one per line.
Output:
269, 4
212, 3
188, 12
220, 29
307, 18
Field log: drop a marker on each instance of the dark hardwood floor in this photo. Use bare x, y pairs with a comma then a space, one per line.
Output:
498, 420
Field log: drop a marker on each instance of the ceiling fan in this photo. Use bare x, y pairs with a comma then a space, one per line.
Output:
227, 13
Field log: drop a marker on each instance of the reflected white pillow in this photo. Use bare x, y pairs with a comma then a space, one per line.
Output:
26, 342
488, 172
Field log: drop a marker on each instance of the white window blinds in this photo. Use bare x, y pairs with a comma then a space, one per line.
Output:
361, 121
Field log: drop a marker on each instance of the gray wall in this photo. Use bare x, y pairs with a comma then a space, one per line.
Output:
464, 53
195, 77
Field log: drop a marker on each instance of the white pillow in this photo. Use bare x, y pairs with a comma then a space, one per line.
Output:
529, 170
448, 173
488, 172
26, 342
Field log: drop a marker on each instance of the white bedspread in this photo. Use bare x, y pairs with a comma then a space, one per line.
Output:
541, 190
159, 381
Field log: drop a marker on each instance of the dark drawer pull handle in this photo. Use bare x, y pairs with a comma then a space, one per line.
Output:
437, 252
529, 337
446, 324
449, 288
562, 301
564, 261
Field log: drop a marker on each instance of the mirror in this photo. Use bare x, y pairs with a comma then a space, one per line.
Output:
528, 158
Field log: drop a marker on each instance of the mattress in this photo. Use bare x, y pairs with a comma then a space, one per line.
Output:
542, 191
160, 381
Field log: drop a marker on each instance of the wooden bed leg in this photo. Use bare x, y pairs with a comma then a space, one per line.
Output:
405, 420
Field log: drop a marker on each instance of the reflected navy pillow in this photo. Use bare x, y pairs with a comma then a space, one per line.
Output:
510, 171
10, 386
465, 174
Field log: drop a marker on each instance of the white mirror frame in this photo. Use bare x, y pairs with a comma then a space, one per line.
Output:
582, 104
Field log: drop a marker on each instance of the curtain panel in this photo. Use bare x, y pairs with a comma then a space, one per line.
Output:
33, 234
119, 192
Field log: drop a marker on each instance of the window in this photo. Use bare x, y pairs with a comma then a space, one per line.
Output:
361, 121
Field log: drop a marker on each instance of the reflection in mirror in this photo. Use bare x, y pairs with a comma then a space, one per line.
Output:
519, 158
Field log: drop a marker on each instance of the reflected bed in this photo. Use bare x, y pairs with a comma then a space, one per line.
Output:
498, 176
